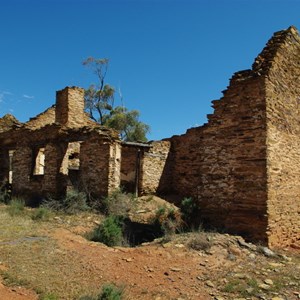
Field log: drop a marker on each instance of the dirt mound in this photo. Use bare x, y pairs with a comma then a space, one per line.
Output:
200, 265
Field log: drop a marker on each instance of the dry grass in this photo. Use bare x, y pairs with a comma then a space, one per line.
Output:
35, 260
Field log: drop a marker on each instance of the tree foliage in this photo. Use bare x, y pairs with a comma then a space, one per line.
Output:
100, 104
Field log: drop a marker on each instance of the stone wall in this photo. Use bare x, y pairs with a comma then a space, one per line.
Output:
95, 167
143, 167
26, 183
22, 168
114, 170
153, 166
60, 149
63, 167
8, 122
46, 117
282, 70
243, 166
223, 163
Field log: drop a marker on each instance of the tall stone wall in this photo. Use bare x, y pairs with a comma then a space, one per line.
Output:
95, 167
243, 166
282, 70
223, 163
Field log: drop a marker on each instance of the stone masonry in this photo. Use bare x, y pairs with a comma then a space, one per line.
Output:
242, 167
71, 151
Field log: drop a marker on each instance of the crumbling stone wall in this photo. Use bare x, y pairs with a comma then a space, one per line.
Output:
85, 151
8, 122
281, 66
223, 164
243, 166
42, 119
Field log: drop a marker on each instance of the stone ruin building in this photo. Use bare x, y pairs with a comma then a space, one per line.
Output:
242, 167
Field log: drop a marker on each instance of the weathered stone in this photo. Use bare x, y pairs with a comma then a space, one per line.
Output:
242, 167
267, 252
268, 281
209, 283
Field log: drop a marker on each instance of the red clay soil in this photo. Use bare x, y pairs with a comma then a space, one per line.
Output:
156, 271
149, 272
16, 293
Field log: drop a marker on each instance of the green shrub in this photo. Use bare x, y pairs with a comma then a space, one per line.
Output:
41, 213
168, 219
16, 207
188, 207
111, 292
109, 232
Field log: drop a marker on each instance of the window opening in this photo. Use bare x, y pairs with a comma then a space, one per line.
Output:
10, 172
39, 167
71, 160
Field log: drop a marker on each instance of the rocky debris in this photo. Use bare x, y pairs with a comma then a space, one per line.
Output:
268, 281
174, 269
242, 243
267, 252
209, 283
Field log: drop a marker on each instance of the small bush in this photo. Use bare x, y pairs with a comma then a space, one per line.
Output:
16, 207
111, 292
109, 232
189, 211
200, 242
242, 287
168, 219
41, 213
118, 203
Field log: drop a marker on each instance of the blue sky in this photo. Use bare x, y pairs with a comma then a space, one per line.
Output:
170, 58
